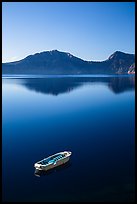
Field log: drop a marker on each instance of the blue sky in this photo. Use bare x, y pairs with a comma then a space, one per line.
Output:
89, 30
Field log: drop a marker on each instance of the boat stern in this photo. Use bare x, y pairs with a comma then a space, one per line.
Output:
37, 166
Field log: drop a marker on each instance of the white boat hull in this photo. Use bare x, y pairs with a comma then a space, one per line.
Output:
62, 161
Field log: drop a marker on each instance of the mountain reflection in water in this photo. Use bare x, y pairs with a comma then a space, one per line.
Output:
60, 85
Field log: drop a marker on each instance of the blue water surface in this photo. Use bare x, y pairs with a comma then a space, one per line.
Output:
91, 116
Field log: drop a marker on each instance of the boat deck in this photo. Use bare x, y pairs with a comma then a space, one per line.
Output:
51, 160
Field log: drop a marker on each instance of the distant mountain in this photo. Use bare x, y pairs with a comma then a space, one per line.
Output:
56, 62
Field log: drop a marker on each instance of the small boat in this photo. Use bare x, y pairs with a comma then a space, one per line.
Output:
53, 161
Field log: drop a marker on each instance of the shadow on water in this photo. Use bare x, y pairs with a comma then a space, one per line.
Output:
40, 173
60, 85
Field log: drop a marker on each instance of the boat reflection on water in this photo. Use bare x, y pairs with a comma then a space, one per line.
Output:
40, 173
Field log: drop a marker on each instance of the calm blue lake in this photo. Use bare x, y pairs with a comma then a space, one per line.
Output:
91, 116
